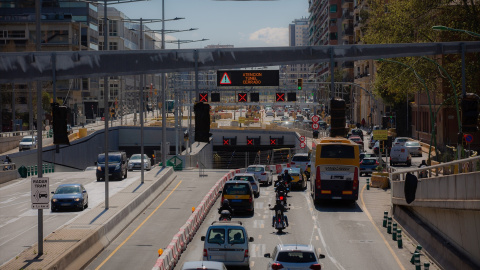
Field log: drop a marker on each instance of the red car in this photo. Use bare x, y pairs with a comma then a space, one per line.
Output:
357, 140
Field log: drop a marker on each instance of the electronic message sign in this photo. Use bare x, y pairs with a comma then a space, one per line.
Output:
247, 77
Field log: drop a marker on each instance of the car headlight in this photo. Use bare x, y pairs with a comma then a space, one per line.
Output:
117, 167
54, 200
99, 168
77, 199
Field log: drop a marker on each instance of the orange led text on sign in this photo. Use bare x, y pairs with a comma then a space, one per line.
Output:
252, 78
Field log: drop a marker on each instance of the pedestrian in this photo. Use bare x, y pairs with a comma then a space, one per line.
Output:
363, 122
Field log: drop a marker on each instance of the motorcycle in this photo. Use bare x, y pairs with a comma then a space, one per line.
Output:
282, 196
280, 221
225, 215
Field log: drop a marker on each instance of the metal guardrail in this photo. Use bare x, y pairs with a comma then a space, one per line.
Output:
9, 167
454, 167
201, 169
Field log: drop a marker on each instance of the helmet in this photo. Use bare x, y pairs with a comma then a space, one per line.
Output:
225, 202
286, 170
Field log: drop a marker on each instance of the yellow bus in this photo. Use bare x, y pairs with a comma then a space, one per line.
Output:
335, 169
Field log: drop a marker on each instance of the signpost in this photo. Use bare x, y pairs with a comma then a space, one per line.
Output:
380, 135
315, 118
40, 193
302, 145
468, 138
315, 126
302, 138
248, 77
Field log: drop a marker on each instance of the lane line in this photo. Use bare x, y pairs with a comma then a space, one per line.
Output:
378, 230
139, 226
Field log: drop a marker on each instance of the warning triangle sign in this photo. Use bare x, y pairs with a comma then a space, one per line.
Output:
225, 79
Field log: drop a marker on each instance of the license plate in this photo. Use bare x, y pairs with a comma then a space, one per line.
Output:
337, 198
236, 200
65, 204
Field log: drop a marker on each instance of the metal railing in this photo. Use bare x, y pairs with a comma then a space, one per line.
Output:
201, 169
454, 167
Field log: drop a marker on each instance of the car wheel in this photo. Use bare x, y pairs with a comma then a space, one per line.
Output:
86, 205
124, 177
99, 179
409, 163
54, 210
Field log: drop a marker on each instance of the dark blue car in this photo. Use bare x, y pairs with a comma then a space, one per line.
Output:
69, 196
368, 165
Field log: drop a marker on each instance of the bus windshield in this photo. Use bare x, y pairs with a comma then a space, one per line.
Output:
337, 151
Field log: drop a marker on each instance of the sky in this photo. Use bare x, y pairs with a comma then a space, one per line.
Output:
238, 23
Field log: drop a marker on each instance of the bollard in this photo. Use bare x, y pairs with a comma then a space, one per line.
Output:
53, 168
399, 238
36, 171
394, 232
417, 250
426, 266
368, 184
417, 261
389, 225
385, 217
28, 171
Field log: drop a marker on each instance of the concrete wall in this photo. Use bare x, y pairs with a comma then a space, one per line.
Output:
445, 216
9, 143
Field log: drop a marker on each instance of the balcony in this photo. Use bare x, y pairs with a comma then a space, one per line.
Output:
347, 32
347, 65
346, 3
347, 15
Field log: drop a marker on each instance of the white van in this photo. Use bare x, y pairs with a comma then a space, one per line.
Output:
400, 154
27, 143
227, 242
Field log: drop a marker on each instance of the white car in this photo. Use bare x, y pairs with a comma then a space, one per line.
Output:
400, 141
300, 160
269, 113
135, 162
294, 256
263, 174
400, 154
27, 143
280, 113
204, 265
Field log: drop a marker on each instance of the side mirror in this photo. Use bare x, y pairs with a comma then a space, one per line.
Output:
220, 192
95, 163
84, 191
53, 192
266, 255
250, 239
321, 256
202, 238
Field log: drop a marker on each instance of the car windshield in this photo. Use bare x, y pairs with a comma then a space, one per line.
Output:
368, 161
412, 144
296, 257
300, 158
255, 169
67, 190
237, 189
27, 139
137, 156
111, 158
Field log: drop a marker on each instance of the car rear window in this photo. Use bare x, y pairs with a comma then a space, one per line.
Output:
235, 236
255, 169
337, 151
217, 236
300, 158
412, 144
237, 189
296, 257
245, 178
368, 161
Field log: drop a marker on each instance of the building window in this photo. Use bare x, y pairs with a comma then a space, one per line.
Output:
112, 28
333, 8
333, 36
113, 46
100, 46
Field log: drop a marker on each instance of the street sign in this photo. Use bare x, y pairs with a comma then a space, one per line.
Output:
302, 145
302, 138
380, 134
242, 120
468, 138
315, 118
248, 77
315, 126
40, 193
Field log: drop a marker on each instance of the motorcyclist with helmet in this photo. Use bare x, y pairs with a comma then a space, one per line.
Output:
279, 207
225, 206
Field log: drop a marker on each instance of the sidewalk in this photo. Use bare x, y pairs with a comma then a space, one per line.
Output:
376, 202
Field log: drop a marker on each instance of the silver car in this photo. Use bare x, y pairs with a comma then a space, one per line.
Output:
414, 148
263, 174
250, 177
27, 143
294, 256
135, 162
203, 265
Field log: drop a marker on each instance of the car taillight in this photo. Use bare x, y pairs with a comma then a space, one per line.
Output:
264, 173
355, 179
223, 198
318, 178
376, 163
205, 253
277, 266
246, 253
419, 149
292, 162
281, 198
316, 266
250, 200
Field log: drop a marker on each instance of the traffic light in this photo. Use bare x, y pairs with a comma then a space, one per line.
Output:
292, 96
242, 97
337, 120
385, 120
279, 96
202, 122
229, 141
215, 97
254, 97
470, 113
60, 133
203, 97
300, 84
